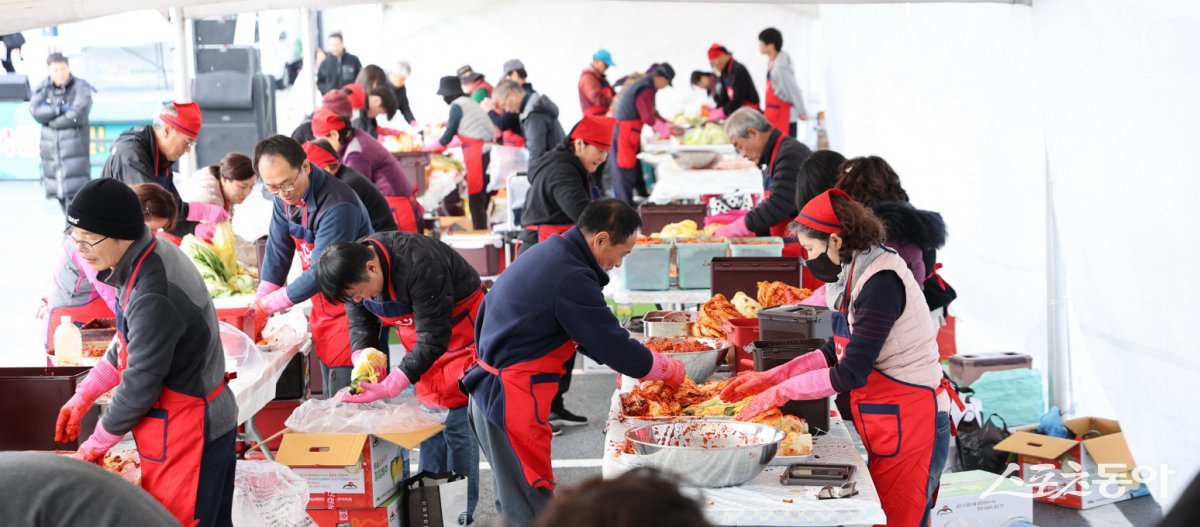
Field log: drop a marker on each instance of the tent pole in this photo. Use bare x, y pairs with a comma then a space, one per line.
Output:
1059, 345
307, 80
183, 73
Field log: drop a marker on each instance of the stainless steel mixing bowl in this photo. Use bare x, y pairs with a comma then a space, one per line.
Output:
707, 453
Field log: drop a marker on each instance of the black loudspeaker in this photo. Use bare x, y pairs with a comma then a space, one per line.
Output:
242, 59
14, 88
217, 31
238, 111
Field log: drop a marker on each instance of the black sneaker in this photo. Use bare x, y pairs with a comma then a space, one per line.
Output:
562, 417
555, 430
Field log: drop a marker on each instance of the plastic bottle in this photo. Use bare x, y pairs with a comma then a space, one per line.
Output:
68, 343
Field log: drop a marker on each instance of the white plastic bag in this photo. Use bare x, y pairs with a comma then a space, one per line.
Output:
241, 355
269, 494
389, 416
506, 161
285, 330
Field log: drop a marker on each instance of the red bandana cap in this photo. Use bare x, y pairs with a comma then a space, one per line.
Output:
319, 156
716, 50
358, 96
325, 121
595, 130
188, 120
818, 213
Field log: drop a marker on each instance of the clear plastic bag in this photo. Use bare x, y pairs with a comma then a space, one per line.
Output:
285, 330
506, 162
269, 494
389, 416
241, 355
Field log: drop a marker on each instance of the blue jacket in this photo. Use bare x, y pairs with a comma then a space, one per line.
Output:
551, 294
335, 214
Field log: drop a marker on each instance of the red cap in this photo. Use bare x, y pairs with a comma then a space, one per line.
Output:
818, 213
358, 96
338, 102
716, 50
188, 120
325, 121
319, 156
595, 130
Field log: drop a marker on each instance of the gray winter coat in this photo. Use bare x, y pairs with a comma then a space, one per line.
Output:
539, 120
63, 114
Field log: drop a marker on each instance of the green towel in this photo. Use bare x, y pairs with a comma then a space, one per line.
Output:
1014, 395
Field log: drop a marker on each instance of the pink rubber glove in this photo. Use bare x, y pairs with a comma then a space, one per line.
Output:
817, 298
753, 383
265, 288
205, 231
273, 303
434, 147
804, 387
201, 211
725, 218
737, 229
97, 445
455, 142
101, 379
716, 114
662, 128
374, 391
666, 369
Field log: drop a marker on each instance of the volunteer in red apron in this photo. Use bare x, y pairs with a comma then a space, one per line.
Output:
561, 184
383, 215
468, 125
430, 295
78, 293
595, 93
887, 359
166, 364
781, 158
784, 102
734, 89
145, 154
312, 211
635, 109
525, 334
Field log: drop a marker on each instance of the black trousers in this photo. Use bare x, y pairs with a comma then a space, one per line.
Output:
214, 494
478, 203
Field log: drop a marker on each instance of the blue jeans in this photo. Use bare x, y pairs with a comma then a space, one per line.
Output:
334, 378
455, 449
941, 449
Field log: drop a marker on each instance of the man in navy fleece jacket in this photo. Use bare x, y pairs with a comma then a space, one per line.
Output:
548, 302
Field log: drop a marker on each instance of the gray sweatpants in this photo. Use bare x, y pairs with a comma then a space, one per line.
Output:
518, 502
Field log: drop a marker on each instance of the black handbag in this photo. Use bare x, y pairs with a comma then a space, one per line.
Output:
423, 503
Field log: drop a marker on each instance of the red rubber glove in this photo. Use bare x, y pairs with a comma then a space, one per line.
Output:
753, 383
804, 387
97, 445
374, 391
666, 369
101, 379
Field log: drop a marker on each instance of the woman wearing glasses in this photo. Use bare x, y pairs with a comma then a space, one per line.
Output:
77, 292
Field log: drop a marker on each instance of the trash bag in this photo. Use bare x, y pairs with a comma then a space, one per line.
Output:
976, 444
387, 416
269, 494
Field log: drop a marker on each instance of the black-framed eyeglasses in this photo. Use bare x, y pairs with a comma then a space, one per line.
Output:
286, 188
84, 245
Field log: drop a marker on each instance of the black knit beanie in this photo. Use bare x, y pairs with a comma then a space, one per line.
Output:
107, 207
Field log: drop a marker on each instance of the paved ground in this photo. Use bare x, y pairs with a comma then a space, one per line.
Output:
33, 229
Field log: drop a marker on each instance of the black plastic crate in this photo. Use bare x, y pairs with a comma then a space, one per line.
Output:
655, 217
30, 404
771, 353
293, 382
795, 322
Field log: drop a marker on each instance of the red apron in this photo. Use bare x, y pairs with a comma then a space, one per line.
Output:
407, 212
94, 309
790, 249
327, 321
777, 111
170, 439
629, 143
439, 385
473, 159
511, 138
546, 231
529, 388
898, 425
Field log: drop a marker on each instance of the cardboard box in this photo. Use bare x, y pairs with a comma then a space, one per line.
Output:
981, 499
386, 515
455, 224
1080, 474
344, 471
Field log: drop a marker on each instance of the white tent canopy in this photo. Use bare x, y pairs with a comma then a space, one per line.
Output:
992, 113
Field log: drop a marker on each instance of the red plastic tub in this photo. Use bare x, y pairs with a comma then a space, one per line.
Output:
241, 318
741, 332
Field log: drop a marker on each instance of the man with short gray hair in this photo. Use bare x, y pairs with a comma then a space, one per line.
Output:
397, 78
780, 156
538, 117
